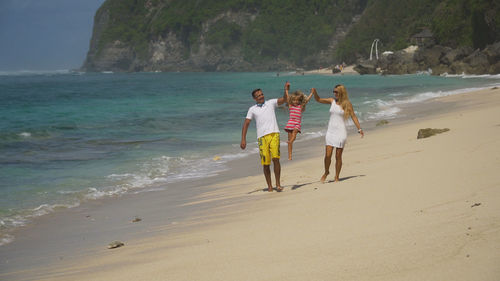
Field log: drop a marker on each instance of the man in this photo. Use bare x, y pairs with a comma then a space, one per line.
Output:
268, 133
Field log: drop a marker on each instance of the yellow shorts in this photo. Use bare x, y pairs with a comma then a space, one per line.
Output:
269, 147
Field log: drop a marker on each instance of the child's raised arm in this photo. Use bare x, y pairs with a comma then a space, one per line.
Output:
306, 100
309, 97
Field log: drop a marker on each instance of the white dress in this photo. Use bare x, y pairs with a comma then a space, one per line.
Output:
336, 134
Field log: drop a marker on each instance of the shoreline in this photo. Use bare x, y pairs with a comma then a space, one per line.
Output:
237, 193
47, 208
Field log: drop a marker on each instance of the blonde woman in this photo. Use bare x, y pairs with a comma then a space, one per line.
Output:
340, 110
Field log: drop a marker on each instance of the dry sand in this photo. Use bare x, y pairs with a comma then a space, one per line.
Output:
405, 209
328, 71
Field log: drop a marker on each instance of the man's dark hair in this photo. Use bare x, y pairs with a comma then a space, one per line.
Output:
255, 91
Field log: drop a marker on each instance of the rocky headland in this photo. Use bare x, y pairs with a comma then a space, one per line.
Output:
435, 59
453, 37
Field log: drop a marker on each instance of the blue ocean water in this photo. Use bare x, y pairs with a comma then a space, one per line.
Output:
70, 137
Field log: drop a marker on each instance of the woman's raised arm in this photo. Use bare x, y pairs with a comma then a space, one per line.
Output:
320, 100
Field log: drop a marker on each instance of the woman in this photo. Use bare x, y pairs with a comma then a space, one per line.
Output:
340, 110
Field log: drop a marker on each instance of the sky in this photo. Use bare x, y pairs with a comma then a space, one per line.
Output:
45, 34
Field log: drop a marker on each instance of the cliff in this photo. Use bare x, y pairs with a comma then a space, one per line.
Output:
258, 35
230, 35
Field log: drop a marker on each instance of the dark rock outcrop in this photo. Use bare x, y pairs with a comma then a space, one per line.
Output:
428, 132
366, 67
437, 60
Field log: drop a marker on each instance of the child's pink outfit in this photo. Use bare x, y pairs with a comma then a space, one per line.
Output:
295, 118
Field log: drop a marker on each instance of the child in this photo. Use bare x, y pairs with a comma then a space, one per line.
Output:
296, 103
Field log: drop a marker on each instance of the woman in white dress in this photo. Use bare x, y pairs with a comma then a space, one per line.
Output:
340, 110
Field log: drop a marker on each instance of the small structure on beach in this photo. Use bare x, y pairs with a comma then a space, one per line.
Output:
375, 43
423, 38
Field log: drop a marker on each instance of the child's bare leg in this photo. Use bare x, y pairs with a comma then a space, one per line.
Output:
294, 135
289, 145
291, 138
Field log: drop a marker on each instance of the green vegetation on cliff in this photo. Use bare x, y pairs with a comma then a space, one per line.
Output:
454, 23
297, 31
127, 22
474, 23
288, 29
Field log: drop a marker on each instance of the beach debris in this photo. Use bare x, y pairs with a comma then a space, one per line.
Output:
475, 205
494, 88
115, 244
428, 132
137, 219
89, 218
382, 122
216, 158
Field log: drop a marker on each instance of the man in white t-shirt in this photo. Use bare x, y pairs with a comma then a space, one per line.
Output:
268, 133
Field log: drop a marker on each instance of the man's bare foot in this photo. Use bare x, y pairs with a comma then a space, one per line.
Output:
323, 178
290, 158
279, 188
270, 189
336, 180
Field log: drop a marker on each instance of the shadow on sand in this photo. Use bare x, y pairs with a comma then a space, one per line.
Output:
345, 178
297, 186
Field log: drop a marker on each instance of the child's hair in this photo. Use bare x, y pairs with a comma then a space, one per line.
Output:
297, 95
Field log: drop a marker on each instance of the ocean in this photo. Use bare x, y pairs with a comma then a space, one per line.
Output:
68, 137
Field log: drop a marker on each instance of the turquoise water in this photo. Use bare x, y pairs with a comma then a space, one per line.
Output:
70, 137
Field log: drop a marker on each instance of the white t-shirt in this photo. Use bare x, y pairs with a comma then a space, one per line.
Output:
265, 117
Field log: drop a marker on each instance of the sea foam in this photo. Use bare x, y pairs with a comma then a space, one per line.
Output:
34, 72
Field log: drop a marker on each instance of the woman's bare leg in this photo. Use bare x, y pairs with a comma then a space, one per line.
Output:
328, 161
338, 162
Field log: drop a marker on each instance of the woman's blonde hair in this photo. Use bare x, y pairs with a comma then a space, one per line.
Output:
343, 100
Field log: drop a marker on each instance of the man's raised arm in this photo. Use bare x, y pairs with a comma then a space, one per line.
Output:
284, 98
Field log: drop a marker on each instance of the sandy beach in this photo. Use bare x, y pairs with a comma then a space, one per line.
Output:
349, 70
405, 209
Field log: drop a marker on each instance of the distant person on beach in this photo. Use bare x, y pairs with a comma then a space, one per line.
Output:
268, 134
296, 103
340, 110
